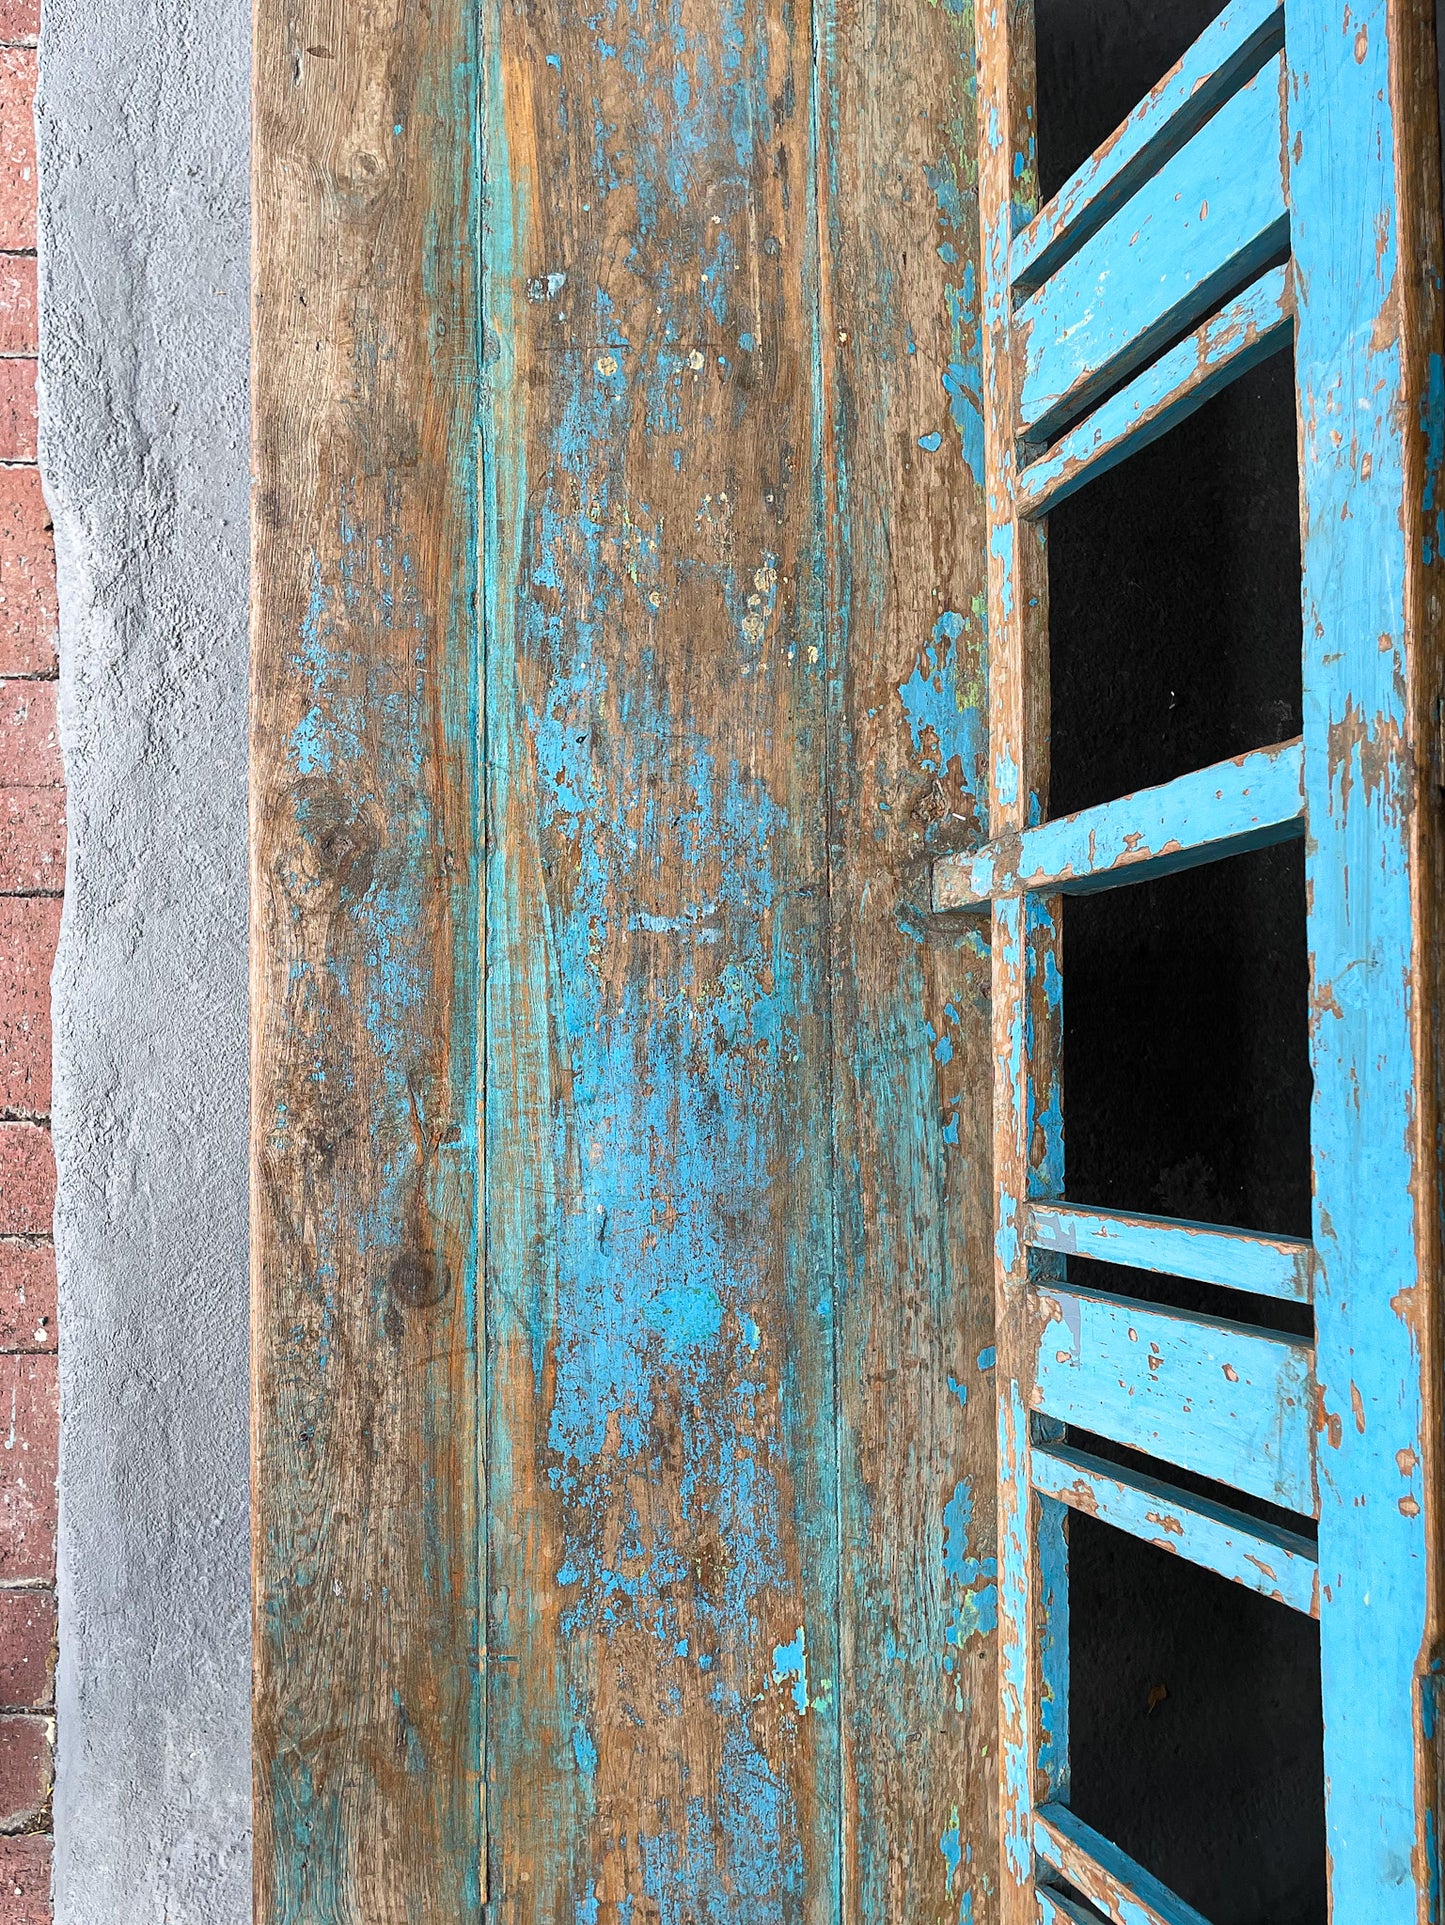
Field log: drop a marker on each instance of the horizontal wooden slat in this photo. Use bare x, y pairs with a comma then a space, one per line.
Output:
1229, 50
1176, 1247
1224, 1400
1248, 803
1055, 1909
1210, 219
1277, 1563
1108, 1877
1235, 340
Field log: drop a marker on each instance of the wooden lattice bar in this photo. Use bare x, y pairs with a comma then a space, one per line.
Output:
1280, 185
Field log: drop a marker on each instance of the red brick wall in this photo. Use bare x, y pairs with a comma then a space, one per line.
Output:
32, 870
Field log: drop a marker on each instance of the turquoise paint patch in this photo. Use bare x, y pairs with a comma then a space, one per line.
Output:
584, 1751
1432, 423
311, 745
945, 700
791, 1661
987, 1358
931, 443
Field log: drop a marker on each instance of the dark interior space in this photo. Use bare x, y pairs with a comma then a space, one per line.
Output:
1196, 1729
1174, 591
1096, 61
1186, 1044
1196, 1734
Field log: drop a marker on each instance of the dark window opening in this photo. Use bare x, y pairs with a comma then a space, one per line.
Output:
1096, 61
1196, 1734
1186, 1052
1174, 600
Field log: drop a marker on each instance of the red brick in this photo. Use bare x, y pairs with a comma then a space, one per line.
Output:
29, 738
29, 1440
25, 1880
19, 333
27, 1180
24, 1770
27, 1649
19, 19
19, 409
29, 930
28, 615
32, 841
27, 1295
17, 148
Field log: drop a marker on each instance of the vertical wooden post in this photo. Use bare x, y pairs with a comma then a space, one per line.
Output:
365, 906
1028, 1131
1365, 234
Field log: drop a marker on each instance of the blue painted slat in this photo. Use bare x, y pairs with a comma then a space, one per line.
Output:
1055, 1909
1279, 1564
1109, 1878
1238, 338
1175, 1247
1230, 49
1211, 218
1220, 1399
1247, 803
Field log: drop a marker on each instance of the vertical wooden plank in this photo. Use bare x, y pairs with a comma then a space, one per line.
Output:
664, 1687
1028, 1132
365, 917
1367, 264
911, 1021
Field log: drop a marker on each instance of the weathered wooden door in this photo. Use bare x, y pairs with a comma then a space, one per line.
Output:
1281, 184
623, 1305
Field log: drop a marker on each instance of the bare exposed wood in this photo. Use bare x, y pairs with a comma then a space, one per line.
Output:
367, 1735
905, 514
1027, 1140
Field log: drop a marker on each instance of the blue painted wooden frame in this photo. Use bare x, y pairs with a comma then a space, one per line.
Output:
1363, 291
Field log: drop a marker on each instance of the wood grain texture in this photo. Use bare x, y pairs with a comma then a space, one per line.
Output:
367, 1739
713, 607
911, 1038
1033, 1747
663, 1717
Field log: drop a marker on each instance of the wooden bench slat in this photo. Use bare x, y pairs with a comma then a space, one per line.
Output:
1227, 53
1244, 333
1108, 1877
1210, 219
1279, 1564
1249, 802
1055, 1909
1177, 1247
1224, 1400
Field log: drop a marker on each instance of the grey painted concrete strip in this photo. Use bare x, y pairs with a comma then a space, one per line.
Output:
143, 119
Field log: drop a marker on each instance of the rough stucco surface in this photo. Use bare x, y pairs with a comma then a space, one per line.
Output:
143, 129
